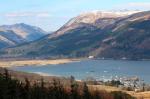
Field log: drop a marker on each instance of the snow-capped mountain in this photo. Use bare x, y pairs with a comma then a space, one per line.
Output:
100, 19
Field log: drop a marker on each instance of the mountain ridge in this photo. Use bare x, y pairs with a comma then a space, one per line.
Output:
18, 34
24, 30
121, 37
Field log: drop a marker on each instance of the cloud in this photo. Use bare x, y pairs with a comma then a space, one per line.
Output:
43, 15
135, 6
28, 14
139, 4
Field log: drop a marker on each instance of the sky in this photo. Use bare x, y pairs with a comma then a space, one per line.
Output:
50, 15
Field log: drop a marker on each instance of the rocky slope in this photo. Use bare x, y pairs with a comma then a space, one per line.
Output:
100, 34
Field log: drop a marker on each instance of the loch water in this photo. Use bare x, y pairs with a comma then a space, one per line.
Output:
97, 69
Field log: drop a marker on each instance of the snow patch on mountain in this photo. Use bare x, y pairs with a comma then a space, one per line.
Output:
91, 17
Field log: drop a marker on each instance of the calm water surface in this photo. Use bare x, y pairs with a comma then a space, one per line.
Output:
99, 69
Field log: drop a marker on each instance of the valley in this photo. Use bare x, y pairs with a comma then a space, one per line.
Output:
107, 50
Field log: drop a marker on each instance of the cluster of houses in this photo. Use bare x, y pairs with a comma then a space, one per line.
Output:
124, 83
132, 84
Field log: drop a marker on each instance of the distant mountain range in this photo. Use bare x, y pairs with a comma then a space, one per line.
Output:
100, 34
11, 35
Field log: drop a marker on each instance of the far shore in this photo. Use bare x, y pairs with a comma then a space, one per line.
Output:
36, 62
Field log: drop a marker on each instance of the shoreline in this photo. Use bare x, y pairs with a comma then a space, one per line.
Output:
36, 62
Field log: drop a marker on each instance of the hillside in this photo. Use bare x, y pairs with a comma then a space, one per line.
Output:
100, 34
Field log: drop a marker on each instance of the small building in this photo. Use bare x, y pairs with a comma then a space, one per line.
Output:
91, 57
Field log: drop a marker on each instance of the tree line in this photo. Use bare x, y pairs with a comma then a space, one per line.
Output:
11, 88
